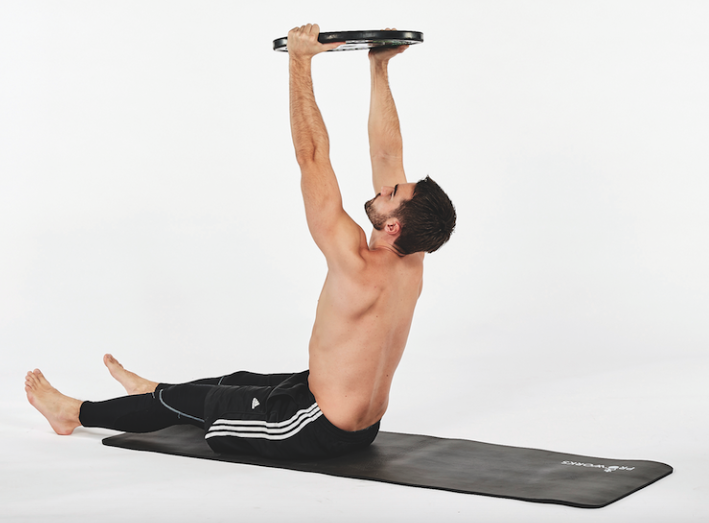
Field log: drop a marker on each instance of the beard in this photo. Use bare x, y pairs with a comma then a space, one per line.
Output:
378, 220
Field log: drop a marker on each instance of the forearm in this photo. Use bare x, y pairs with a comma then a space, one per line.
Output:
385, 143
308, 130
312, 145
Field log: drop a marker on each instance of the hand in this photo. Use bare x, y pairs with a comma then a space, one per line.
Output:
384, 54
303, 42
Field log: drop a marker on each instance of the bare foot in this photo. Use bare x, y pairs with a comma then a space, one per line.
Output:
133, 383
62, 412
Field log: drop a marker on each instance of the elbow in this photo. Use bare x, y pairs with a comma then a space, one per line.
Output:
308, 156
305, 151
305, 157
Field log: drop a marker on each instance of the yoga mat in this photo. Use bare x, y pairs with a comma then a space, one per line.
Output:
447, 464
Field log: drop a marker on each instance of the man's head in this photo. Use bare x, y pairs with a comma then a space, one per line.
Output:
421, 213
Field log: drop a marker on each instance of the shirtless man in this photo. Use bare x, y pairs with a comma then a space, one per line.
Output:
363, 316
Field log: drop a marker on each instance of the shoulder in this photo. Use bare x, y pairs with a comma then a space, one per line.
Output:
347, 252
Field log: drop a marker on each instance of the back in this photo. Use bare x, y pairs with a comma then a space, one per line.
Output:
362, 323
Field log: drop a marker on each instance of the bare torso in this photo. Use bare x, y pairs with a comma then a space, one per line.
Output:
362, 323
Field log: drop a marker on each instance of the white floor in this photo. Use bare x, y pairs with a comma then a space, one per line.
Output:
656, 412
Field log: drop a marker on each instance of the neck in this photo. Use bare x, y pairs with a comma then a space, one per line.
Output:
377, 243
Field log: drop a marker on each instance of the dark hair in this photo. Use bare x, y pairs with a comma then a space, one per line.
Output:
427, 219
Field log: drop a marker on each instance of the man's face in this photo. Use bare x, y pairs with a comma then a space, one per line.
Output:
380, 208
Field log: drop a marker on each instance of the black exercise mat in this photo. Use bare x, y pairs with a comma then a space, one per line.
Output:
446, 464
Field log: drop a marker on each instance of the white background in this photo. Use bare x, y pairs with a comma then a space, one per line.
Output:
150, 207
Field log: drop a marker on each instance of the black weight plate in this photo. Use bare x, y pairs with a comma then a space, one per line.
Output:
355, 40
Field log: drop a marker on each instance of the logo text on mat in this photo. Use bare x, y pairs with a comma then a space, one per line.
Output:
612, 468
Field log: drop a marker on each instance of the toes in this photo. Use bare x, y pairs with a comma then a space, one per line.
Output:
30, 382
39, 378
108, 359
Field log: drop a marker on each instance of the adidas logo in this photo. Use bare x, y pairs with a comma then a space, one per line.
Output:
255, 403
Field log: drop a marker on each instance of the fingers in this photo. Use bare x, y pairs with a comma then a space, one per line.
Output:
303, 42
306, 30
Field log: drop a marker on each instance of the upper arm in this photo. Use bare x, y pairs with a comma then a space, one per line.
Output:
335, 233
387, 170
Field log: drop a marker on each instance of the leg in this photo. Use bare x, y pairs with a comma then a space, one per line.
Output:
252, 378
172, 405
276, 422
240, 378
133, 383
62, 412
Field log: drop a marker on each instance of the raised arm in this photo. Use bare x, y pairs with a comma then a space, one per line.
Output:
334, 232
310, 137
385, 144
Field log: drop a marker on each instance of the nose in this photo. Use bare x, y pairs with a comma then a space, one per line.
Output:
386, 191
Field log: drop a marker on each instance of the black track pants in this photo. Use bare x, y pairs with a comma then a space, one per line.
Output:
168, 405
272, 415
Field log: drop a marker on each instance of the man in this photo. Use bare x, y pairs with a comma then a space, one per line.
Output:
363, 316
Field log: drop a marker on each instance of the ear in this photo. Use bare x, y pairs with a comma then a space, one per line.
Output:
392, 227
